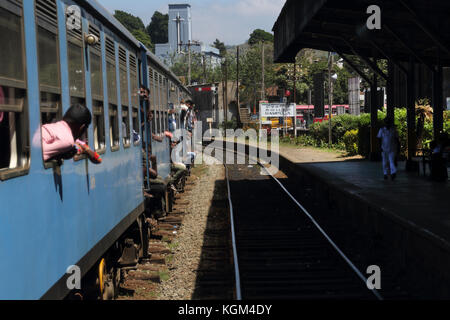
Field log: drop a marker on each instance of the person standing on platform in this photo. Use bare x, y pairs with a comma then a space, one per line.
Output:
389, 146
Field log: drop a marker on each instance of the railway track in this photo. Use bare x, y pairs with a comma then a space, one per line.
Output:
280, 251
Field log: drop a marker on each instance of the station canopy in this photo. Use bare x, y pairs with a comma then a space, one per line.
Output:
409, 28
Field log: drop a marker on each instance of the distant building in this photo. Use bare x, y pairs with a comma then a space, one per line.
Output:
180, 35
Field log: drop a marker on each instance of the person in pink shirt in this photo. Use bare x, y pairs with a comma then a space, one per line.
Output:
61, 139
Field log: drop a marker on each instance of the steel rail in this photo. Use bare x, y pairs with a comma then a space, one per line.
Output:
316, 224
342, 254
237, 276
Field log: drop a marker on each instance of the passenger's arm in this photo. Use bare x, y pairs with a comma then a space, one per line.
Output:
92, 155
157, 138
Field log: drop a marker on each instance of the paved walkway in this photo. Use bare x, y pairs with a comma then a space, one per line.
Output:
415, 199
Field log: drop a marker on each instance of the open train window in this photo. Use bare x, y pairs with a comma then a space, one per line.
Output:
112, 94
126, 127
98, 108
113, 127
48, 63
153, 124
75, 56
158, 122
124, 97
99, 126
135, 119
134, 84
14, 131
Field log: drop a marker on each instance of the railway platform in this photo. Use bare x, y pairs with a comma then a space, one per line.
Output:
410, 216
412, 213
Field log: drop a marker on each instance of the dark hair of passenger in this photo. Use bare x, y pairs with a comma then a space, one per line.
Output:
78, 114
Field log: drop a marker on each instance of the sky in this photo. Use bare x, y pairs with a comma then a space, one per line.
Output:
230, 21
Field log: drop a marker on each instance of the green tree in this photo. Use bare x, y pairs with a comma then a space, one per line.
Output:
259, 35
135, 26
221, 46
158, 29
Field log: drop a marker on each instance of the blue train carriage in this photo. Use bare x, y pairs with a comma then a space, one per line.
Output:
55, 216
166, 90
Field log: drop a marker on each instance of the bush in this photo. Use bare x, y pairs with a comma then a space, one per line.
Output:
348, 130
351, 142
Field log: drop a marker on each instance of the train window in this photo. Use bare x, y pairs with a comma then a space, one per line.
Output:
111, 70
125, 127
97, 93
158, 123
134, 81
113, 127
11, 34
135, 119
123, 77
165, 93
75, 62
99, 126
165, 120
14, 132
153, 123
112, 94
152, 88
48, 61
95, 54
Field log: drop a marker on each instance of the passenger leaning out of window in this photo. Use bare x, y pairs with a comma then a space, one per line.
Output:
61, 140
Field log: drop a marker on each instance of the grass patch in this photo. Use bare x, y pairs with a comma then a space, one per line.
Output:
164, 275
146, 294
199, 170
169, 258
173, 245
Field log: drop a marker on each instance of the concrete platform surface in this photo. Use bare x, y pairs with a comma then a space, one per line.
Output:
415, 200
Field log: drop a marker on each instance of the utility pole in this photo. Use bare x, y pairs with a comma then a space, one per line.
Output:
226, 90
330, 97
189, 63
295, 81
237, 80
189, 44
295, 97
263, 89
204, 68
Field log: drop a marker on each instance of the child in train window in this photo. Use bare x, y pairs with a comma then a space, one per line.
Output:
61, 139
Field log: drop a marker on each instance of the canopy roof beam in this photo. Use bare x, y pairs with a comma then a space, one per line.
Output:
418, 21
371, 64
407, 47
352, 65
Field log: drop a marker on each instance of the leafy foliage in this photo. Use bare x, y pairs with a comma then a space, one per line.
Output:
158, 29
259, 35
221, 46
135, 26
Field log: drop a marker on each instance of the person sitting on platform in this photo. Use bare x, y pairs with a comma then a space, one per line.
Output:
389, 142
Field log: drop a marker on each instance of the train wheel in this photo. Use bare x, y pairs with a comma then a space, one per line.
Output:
105, 281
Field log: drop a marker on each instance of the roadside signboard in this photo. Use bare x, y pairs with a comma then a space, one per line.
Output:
277, 110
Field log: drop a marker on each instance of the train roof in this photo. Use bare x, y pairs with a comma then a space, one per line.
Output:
111, 21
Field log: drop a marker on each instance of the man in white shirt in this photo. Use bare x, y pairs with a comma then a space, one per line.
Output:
389, 144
